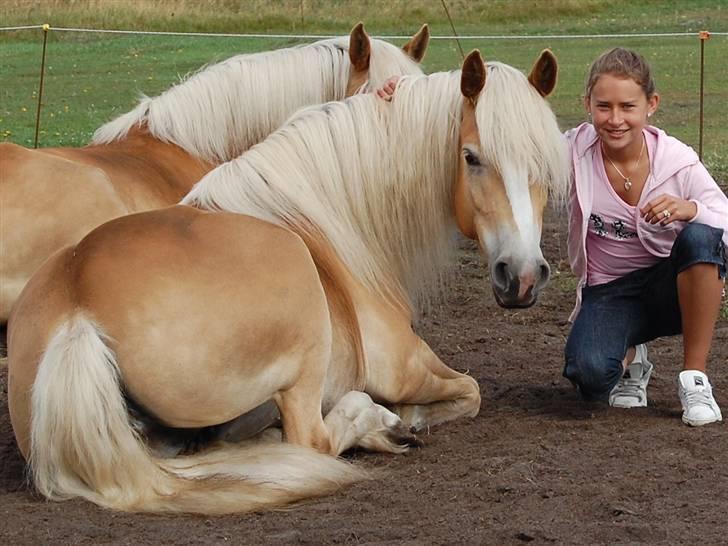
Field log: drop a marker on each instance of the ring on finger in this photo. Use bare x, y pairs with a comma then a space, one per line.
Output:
666, 213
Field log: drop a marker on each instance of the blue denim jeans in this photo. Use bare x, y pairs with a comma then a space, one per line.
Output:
637, 308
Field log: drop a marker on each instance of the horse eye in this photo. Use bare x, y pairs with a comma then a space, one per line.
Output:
470, 158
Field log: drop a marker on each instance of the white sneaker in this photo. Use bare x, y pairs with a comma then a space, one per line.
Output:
696, 396
631, 391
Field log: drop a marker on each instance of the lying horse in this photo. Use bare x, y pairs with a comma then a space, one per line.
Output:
195, 317
150, 157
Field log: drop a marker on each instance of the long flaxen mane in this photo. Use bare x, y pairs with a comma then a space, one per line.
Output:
376, 179
223, 109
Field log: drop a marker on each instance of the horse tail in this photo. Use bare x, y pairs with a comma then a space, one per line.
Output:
84, 445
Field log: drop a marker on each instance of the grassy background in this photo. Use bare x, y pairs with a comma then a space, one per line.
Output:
91, 77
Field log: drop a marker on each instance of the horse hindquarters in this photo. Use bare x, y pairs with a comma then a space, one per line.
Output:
75, 428
82, 444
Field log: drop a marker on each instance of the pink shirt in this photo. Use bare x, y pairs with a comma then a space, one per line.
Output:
676, 170
612, 244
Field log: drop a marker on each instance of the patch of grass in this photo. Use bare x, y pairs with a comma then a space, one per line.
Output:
469, 16
91, 78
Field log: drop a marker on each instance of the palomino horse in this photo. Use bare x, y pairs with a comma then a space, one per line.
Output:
150, 157
195, 317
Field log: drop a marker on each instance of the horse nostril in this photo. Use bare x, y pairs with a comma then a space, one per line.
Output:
501, 275
545, 272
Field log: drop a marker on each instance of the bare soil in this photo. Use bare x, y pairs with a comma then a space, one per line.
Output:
536, 465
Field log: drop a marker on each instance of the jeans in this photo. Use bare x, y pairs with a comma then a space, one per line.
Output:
633, 309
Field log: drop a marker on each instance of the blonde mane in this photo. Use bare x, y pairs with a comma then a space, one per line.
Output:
223, 109
376, 179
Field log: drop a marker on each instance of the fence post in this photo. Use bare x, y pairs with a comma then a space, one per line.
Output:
46, 28
704, 35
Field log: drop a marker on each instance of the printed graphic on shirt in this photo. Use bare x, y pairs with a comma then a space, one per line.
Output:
598, 225
619, 230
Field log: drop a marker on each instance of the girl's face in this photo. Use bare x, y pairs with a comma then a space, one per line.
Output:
619, 109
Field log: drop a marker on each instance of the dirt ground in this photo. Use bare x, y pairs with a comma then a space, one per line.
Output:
536, 465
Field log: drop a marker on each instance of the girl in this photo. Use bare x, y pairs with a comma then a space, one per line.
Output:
647, 233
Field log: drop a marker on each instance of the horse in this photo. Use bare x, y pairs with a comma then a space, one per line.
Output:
151, 156
293, 274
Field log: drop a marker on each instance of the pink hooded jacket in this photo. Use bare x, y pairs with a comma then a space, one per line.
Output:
675, 170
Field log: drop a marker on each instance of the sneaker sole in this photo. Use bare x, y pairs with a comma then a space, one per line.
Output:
700, 422
616, 404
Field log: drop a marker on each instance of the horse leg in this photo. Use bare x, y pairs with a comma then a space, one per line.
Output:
422, 389
356, 421
301, 418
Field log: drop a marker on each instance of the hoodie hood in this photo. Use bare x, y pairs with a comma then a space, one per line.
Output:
671, 155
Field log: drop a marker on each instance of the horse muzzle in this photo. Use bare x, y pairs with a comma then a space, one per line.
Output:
518, 290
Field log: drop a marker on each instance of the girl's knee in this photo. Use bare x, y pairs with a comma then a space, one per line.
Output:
699, 243
595, 374
699, 239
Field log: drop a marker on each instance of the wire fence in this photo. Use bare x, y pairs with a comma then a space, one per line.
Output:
382, 36
701, 38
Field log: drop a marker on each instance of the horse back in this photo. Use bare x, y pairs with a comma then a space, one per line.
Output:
145, 172
46, 203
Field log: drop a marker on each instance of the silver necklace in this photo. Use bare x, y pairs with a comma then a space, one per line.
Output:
627, 179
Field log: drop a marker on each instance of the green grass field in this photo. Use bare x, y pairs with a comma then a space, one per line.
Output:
90, 78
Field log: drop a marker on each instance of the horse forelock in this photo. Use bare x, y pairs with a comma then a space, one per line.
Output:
519, 130
374, 178
221, 110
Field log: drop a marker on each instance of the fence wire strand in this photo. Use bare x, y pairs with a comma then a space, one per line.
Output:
381, 36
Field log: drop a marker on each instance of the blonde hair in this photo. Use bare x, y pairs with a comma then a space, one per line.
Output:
222, 110
621, 62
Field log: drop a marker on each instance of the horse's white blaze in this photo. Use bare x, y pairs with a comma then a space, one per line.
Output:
528, 234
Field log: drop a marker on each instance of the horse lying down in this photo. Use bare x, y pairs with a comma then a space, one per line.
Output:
294, 277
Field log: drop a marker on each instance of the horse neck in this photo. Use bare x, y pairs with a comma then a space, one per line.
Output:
379, 189
226, 108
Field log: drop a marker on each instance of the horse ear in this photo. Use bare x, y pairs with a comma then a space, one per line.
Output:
360, 48
544, 72
417, 46
472, 78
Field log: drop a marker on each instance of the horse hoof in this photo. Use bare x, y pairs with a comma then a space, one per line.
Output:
404, 436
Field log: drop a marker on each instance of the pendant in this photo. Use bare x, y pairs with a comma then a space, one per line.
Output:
627, 184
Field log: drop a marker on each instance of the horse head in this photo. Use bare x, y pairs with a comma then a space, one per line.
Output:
363, 76
497, 202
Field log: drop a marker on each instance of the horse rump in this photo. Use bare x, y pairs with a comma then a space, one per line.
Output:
84, 445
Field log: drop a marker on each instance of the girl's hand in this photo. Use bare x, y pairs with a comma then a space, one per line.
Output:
386, 92
667, 209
